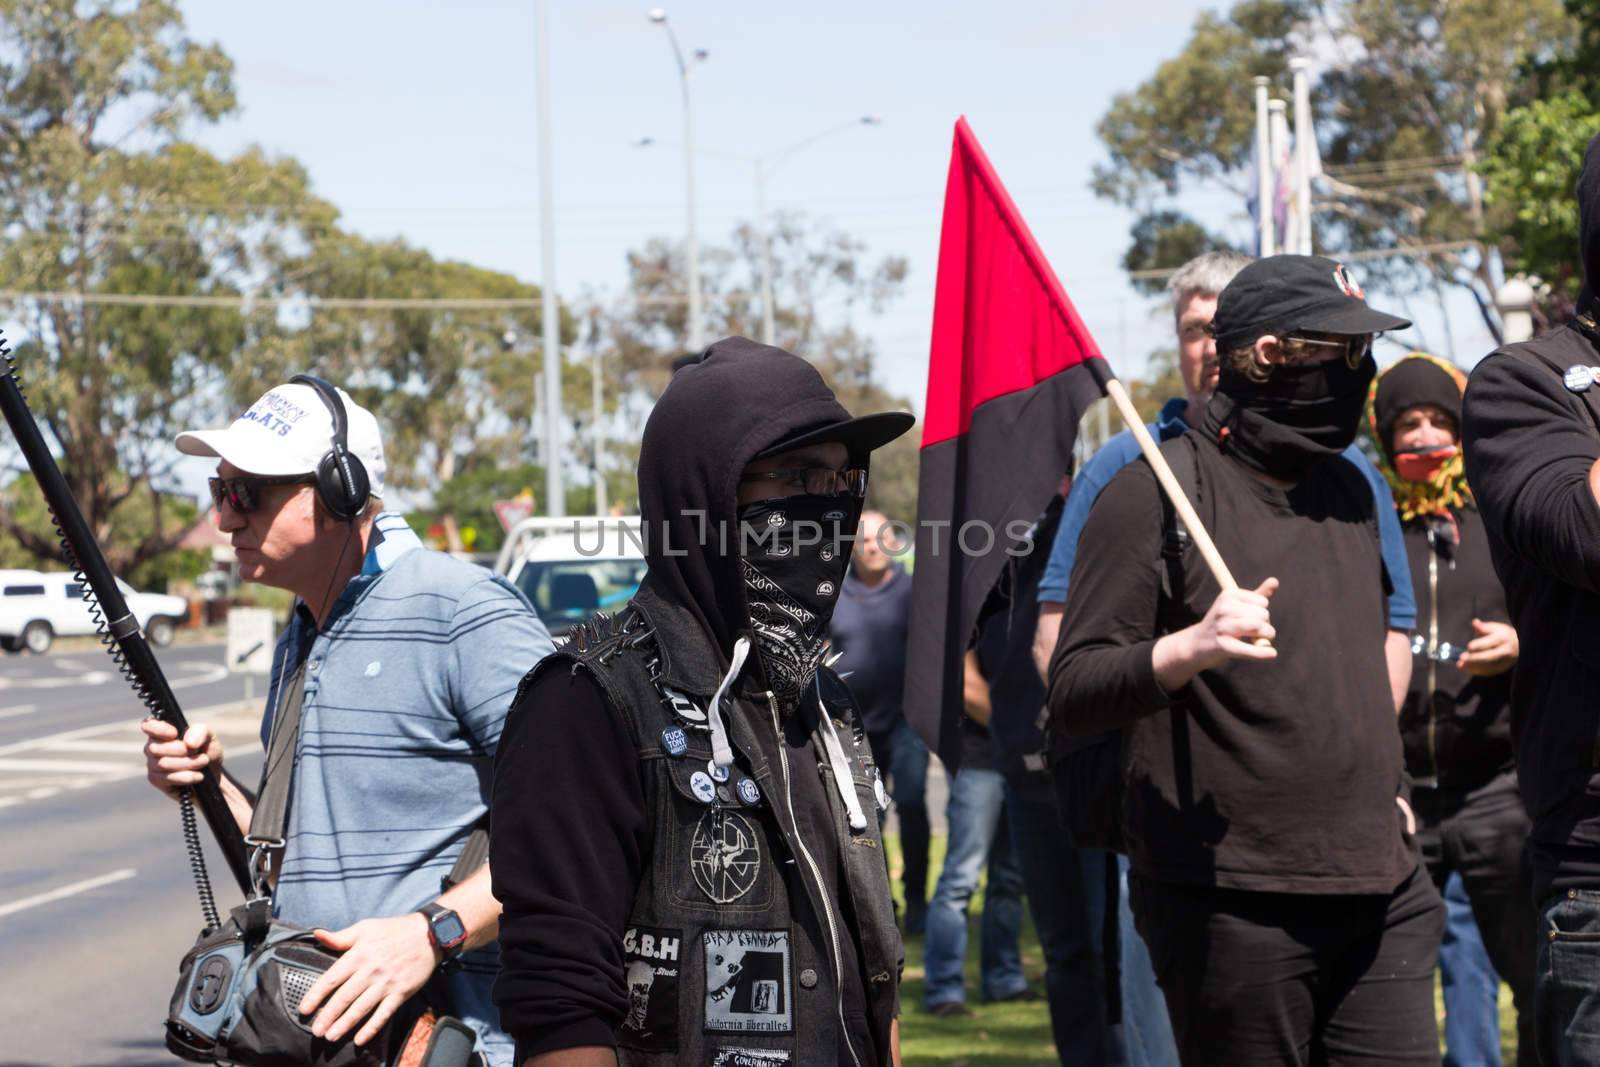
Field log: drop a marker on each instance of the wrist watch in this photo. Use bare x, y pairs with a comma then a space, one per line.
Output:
446, 931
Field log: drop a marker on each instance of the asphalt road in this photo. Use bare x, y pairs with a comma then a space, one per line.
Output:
97, 902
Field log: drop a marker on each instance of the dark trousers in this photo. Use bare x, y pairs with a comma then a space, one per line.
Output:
1567, 1001
903, 759
1482, 835
1286, 978
1061, 898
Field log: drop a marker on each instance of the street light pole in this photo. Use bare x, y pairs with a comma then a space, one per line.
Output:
696, 328
549, 304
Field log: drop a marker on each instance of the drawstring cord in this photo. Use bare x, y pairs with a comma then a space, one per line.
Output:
721, 750
842, 779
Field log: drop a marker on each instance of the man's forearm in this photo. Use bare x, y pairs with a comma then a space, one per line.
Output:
588, 1056
1397, 653
1045, 635
241, 801
475, 902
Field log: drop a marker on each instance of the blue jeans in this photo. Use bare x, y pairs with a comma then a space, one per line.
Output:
1566, 998
1066, 886
1471, 986
1146, 1028
978, 833
904, 761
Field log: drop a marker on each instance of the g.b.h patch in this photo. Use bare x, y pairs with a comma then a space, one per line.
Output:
651, 975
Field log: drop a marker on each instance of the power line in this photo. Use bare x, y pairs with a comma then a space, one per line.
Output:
1415, 252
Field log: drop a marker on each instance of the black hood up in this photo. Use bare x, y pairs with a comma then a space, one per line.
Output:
715, 416
1589, 230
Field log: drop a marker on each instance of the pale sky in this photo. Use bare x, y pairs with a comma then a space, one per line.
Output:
418, 120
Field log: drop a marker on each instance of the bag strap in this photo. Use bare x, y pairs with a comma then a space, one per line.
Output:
272, 798
1174, 535
474, 854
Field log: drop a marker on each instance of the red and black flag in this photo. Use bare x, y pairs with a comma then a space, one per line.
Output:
1012, 369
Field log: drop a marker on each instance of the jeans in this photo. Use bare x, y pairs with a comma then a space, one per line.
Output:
1146, 1029
1482, 835
1567, 996
1471, 986
1335, 980
904, 760
978, 833
1061, 880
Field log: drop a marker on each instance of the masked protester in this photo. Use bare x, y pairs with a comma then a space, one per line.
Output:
1531, 427
1275, 877
1456, 720
685, 831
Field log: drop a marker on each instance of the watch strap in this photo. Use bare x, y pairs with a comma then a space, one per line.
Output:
433, 913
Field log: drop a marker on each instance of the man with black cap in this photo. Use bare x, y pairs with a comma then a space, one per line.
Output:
1531, 426
1455, 723
1274, 869
685, 839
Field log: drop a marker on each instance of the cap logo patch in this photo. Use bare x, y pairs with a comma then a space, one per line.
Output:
275, 413
1347, 285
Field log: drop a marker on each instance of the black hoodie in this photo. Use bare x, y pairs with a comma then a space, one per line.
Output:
1531, 441
571, 815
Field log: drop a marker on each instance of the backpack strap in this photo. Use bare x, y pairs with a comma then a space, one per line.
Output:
1174, 535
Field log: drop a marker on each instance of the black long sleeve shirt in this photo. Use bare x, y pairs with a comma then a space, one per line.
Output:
1530, 444
1275, 776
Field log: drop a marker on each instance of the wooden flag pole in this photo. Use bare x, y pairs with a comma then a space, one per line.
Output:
1169, 484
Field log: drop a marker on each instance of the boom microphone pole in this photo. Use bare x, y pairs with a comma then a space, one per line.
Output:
120, 633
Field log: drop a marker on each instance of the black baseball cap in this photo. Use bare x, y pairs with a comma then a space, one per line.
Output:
1284, 294
859, 435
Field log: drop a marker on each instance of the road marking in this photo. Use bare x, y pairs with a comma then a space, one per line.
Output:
12, 713
67, 891
61, 766
44, 767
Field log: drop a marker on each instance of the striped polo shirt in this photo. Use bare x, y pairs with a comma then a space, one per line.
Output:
407, 686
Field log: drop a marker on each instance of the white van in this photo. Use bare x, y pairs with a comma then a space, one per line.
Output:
571, 568
36, 608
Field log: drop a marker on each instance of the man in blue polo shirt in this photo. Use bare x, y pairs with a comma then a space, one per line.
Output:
1194, 287
406, 661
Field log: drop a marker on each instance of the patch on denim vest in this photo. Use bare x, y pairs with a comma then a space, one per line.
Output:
748, 1057
725, 855
748, 983
651, 975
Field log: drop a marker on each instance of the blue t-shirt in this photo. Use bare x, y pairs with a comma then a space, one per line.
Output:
407, 686
868, 630
1122, 450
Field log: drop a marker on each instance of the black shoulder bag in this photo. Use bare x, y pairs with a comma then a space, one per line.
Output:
239, 987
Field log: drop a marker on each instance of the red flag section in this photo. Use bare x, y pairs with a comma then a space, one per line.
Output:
1011, 371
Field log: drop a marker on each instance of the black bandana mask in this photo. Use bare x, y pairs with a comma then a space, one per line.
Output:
794, 554
1301, 414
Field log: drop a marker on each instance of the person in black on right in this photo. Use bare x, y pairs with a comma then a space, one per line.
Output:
1275, 875
1531, 427
1456, 719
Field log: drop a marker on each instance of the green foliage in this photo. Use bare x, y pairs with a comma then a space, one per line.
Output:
135, 521
1531, 169
1164, 240
821, 276
1412, 89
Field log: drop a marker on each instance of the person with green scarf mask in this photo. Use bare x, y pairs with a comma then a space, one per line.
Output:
1456, 719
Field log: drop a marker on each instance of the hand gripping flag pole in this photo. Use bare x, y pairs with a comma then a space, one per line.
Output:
120, 633
1011, 370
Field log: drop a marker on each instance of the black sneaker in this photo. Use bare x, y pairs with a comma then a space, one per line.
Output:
1024, 996
950, 1009
916, 918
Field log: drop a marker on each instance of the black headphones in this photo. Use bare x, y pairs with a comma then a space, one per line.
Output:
342, 482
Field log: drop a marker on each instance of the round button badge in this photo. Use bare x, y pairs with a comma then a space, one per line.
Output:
749, 792
704, 789
675, 741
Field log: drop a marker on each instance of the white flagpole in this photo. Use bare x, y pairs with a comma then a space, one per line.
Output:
1264, 168
1304, 152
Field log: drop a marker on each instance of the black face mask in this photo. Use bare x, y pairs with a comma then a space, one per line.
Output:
1300, 415
794, 554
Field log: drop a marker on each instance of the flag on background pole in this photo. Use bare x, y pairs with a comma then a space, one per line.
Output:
1011, 371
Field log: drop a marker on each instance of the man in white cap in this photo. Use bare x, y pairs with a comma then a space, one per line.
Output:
403, 663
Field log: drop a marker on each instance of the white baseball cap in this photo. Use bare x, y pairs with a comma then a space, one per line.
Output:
287, 432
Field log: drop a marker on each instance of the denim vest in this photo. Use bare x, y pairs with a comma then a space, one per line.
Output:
728, 953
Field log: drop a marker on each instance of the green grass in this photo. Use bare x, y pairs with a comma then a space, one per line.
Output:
999, 1035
